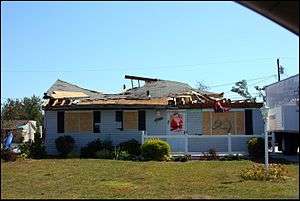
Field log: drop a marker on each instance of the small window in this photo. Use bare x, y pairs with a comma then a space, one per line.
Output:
130, 120
97, 121
60, 122
119, 119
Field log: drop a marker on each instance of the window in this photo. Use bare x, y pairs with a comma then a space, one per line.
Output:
119, 119
130, 120
60, 122
142, 120
223, 123
97, 121
78, 121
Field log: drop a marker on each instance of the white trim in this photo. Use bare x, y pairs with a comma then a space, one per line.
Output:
200, 136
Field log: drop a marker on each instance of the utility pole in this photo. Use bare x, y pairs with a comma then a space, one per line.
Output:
278, 71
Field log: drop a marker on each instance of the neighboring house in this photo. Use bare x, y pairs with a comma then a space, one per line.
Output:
166, 109
283, 99
23, 130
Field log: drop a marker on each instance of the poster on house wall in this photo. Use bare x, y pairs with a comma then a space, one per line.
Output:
176, 122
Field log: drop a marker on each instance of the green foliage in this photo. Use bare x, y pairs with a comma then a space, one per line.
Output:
72, 154
123, 155
276, 172
155, 149
210, 155
8, 155
65, 144
184, 158
20, 109
241, 88
132, 146
256, 148
34, 149
89, 151
232, 157
104, 154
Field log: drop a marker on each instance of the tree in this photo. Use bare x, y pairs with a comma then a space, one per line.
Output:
23, 109
201, 86
242, 89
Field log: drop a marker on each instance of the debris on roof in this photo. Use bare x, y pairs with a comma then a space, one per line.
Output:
68, 94
155, 92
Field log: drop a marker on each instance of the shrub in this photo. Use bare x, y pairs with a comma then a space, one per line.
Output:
107, 144
232, 157
64, 144
8, 155
210, 155
132, 147
89, 151
257, 172
34, 149
72, 154
184, 158
155, 149
123, 155
256, 148
104, 154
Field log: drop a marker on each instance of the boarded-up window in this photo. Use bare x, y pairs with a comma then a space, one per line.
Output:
223, 123
86, 122
130, 120
78, 122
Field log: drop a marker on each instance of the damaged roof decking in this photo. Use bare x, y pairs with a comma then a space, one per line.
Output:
157, 101
60, 85
162, 88
157, 89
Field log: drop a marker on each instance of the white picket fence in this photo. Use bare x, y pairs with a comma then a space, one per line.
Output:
186, 140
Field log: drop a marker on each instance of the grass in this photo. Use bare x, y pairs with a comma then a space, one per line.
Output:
95, 178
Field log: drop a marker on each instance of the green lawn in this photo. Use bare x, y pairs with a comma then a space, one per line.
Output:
95, 178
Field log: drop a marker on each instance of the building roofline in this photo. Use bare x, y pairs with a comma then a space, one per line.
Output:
280, 81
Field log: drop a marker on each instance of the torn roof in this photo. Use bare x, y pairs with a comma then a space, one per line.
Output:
62, 86
153, 92
163, 88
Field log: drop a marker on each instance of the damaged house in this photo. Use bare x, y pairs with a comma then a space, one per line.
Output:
190, 120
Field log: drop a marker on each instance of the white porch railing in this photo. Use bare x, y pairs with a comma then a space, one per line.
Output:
186, 140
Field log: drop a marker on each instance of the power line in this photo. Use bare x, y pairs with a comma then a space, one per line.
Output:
157, 67
230, 83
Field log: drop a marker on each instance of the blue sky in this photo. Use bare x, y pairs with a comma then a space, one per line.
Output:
94, 44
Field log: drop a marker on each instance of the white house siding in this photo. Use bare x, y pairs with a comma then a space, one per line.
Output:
158, 127
108, 127
109, 131
258, 122
194, 121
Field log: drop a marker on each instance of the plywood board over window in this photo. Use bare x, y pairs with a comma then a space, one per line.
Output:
86, 122
71, 122
76, 122
130, 120
223, 123
240, 122
206, 123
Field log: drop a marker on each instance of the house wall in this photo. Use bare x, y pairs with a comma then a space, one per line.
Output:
109, 131
108, 127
